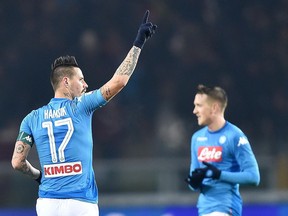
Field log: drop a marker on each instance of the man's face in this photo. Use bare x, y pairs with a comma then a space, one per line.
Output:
77, 84
203, 109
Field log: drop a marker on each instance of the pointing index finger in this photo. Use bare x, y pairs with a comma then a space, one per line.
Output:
145, 18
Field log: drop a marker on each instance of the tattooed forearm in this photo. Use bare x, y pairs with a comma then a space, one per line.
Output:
128, 65
122, 74
107, 91
19, 148
27, 169
20, 163
21, 158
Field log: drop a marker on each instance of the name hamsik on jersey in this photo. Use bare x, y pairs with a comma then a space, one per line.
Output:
62, 133
229, 150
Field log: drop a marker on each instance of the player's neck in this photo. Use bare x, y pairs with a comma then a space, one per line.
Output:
62, 94
217, 124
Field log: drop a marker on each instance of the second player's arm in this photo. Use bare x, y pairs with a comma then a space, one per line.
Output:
122, 74
249, 173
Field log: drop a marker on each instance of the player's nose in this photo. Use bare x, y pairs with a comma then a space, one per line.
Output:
194, 111
85, 85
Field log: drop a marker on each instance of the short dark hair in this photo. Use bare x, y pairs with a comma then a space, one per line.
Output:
62, 67
64, 61
216, 93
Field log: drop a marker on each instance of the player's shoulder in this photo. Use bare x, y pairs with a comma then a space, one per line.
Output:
233, 128
34, 113
236, 134
200, 132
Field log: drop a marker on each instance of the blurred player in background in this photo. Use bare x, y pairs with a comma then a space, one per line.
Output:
61, 131
221, 157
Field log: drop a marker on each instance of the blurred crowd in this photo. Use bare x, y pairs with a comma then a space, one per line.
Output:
239, 45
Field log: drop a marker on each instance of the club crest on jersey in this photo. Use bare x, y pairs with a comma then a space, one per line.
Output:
222, 139
210, 153
63, 169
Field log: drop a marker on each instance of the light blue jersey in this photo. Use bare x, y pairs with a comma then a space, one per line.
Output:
62, 133
229, 150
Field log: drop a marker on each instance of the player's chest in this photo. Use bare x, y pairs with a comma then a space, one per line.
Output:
212, 148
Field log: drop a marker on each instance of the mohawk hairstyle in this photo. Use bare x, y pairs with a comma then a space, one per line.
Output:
64, 61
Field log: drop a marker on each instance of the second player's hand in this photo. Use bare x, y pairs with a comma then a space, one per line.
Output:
212, 171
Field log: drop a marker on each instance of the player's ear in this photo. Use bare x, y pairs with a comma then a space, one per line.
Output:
215, 107
65, 81
219, 107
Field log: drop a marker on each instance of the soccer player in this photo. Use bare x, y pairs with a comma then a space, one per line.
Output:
221, 157
61, 131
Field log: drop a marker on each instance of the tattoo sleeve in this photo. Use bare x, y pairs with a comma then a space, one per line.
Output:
122, 74
19, 148
128, 65
107, 91
19, 158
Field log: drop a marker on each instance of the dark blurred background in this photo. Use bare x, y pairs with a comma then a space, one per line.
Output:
142, 137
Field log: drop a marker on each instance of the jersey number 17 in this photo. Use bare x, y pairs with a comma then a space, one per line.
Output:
49, 125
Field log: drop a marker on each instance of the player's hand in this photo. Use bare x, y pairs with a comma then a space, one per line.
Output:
212, 171
145, 31
195, 180
39, 178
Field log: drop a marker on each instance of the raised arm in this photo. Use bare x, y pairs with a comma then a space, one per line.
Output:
126, 68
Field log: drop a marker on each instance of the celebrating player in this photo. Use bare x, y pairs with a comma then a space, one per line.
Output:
61, 131
221, 157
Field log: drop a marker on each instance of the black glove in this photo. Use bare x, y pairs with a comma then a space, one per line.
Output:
145, 31
39, 178
197, 177
212, 171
